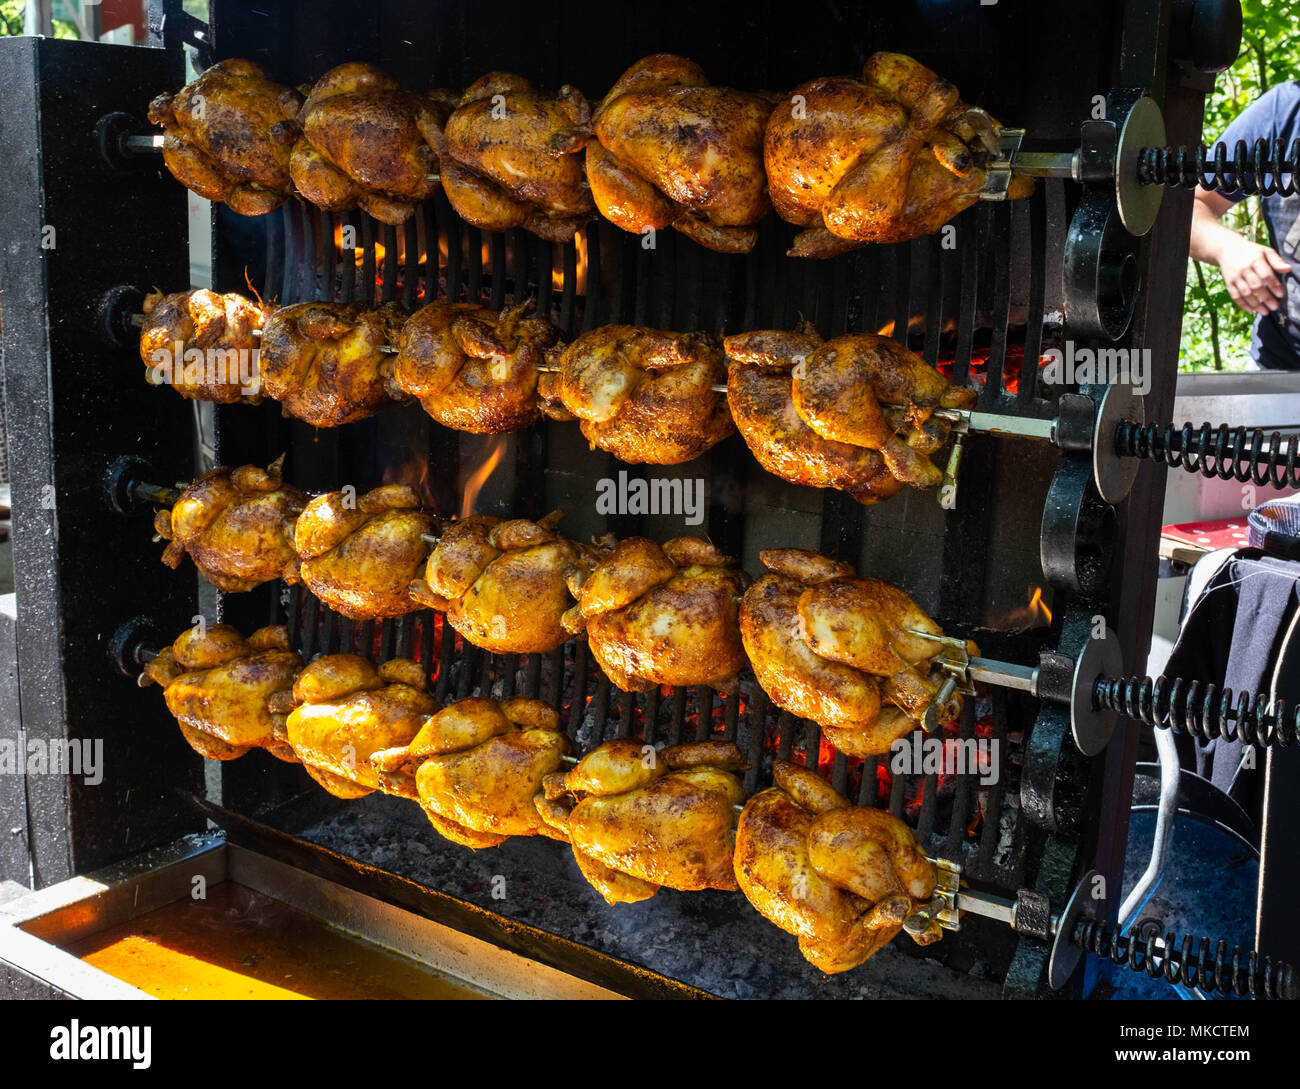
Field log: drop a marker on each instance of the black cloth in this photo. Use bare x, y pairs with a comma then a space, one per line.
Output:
1231, 638
1275, 115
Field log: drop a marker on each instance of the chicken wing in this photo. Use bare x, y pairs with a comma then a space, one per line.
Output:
885, 158
204, 345
838, 649
662, 615
235, 524
840, 878
342, 710
471, 368
358, 554
639, 819
322, 361
670, 150
509, 158
218, 136
217, 684
641, 394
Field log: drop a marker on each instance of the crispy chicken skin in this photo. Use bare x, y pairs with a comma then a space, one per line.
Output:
828, 645
220, 327
641, 394
217, 136
217, 684
885, 158
661, 615
670, 150
342, 710
510, 157
640, 819
854, 413
840, 878
322, 361
235, 524
502, 583
475, 767
360, 140
471, 368
358, 554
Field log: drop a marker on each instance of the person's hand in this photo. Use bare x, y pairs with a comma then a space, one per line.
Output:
1251, 273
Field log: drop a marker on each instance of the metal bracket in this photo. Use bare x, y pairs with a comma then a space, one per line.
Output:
997, 174
1080, 530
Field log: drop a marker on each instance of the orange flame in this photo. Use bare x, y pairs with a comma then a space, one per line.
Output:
1033, 614
479, 477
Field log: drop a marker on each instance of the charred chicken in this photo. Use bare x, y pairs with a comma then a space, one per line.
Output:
203, 345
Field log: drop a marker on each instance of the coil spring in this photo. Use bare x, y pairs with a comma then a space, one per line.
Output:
1264, 169
1203, 712
1230, 453
1190, 963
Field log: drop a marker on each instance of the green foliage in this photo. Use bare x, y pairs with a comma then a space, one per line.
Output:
11, 18
1216, 334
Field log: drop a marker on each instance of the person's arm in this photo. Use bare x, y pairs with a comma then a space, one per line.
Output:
1249, 270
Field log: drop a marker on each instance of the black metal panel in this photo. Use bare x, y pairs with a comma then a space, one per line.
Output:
73, 403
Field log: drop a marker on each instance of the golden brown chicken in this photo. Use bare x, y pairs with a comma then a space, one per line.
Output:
672, 151
235, 524
322, 361
840, 878
475, 767
471, 368
661, 615
361, 140
828, 645
509, 158
885, 158
641, 394
217, 684
502, 583
854, 413
639, 819
359, 553
204, 345
217, 136
341, 710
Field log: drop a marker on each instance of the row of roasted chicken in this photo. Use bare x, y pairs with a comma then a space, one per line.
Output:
855, 412
856, 655
843, 879
882, 158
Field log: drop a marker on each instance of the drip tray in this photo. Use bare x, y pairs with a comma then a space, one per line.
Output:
205, 918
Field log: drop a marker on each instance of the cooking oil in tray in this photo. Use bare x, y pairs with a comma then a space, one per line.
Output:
239, 943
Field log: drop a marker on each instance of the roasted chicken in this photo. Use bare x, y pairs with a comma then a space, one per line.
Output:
842, 879
359, 139
217, 684
235, 524
640, 819
322, 361
204, 345
475, 767
672, 151
510, 158
828, 645
502, 583
341, 710
661, 615
218, 136
358, 554
641, 394
471, 368
853, 413
885, 158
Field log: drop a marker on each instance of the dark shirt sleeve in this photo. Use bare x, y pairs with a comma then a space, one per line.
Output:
1258, 121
